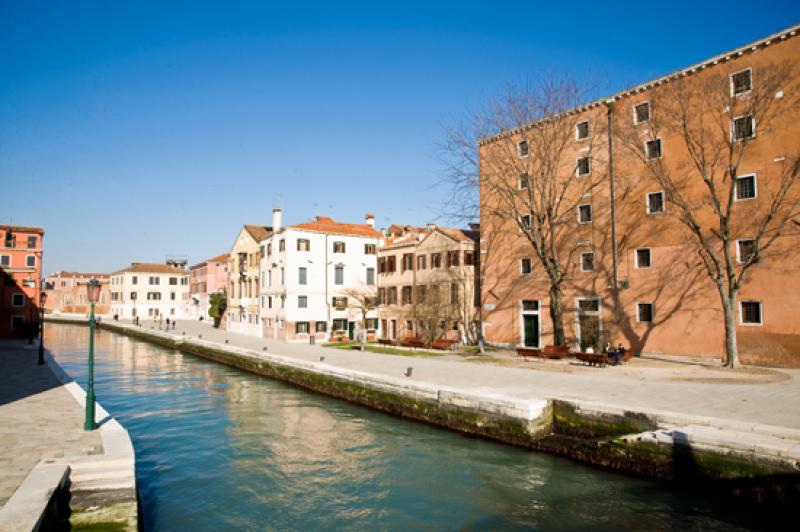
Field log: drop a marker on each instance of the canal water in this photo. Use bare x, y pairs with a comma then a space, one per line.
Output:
220, 449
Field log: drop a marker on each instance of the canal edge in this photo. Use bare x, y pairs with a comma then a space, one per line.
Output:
753, 462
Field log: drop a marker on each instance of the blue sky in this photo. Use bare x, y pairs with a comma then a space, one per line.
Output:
131, 131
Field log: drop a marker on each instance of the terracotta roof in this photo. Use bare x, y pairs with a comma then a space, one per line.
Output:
396, 229
218, 258
324, 224
81, 274
464, 235
23, 229
144, 267
257, 231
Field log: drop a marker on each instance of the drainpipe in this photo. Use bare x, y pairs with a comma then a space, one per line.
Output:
614, 259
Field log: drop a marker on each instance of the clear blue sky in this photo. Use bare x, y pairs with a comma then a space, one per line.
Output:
133, 130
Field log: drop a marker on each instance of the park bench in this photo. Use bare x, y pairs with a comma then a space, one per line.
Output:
549, 351
602, 359
412, 341
443, 343
386, 341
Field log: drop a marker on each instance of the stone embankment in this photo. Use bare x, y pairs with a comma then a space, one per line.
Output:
757, 462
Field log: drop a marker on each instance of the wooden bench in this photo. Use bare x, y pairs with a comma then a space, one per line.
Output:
411, 341
549, 351
602, 359
443, 343
386, 341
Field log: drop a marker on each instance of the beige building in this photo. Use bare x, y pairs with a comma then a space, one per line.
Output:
427, 284
66, 292
242, 314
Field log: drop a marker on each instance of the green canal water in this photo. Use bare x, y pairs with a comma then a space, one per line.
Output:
220, 449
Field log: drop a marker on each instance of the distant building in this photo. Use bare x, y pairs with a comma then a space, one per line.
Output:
66, 292
242, 314
315, 276
21, 272
207, 277
149, 291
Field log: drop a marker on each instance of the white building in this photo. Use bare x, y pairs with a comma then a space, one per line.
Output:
314, 277
150, 291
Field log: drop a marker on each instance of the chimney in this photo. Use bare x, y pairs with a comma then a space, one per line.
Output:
475, 227
276, 220
370, 220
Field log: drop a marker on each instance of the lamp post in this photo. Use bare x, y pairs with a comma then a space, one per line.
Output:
42, 301
93, 292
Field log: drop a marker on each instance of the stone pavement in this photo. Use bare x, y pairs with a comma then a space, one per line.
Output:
749, 395
39, 418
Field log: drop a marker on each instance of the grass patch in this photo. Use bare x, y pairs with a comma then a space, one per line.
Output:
373, 347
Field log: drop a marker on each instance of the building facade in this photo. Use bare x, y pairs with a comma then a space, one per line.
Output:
146, 290
634, 195
206, 278
66, 292
21, 271
242, 314
427, 284
316, 277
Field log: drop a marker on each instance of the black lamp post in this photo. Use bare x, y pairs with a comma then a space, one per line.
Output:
42, 301
93, 292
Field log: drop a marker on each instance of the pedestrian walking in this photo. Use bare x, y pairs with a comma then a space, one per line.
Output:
167, 324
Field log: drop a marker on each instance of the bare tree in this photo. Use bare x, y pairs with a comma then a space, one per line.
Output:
529, 177
708, 122
364, 299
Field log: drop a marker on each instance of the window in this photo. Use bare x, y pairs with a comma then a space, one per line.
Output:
321, 326
589, 305
269, 248
16, 322
436, 260
30, 261
339, 325
454, 293
391, 266
745, 187
302, 275
269, 301
641, 113
408, 261
340, 303
421, 262
281, 245
741, 82
406, 296
587, 261
744, 127
370, 249
582, 130
584, 166
153, 296
655, 202
173, 281
653, 149
453, 258
522, 148
370, 276
644, 312
153, 280
643, 258
421, 293
750, 312
17, 300
391, 295
525, 222
584, 214
133, 296
371, 324
301, 327
338, 277
302, 301
525, 266
31, 241
134, 280
524, 181
5, 260
185, 280
409, 326
172, 296
338, 247
381, 296
746, 250
469, 258
303, 244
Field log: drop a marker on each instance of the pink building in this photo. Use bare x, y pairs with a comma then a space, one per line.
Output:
207, 277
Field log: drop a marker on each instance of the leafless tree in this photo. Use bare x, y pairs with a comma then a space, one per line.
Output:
707, 123
532, 189
363, 298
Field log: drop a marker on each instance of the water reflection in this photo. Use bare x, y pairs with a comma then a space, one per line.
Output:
220, 449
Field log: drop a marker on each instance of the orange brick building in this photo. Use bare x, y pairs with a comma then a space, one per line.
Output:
66, 292
21, 272
634, 275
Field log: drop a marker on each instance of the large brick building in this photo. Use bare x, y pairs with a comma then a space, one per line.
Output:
21, 272
66, 292
633, 272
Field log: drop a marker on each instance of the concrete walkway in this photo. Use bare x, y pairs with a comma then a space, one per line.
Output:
39, 418
757, 396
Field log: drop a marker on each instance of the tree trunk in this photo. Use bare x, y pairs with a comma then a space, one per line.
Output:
556, 315
731, 348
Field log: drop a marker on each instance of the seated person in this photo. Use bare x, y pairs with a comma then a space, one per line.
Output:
618, 354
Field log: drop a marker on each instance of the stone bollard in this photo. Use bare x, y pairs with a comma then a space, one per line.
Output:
226, 340
322, 359
409, 371
200, 336
264, 348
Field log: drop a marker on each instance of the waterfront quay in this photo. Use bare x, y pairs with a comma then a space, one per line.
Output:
640, 418
52, 471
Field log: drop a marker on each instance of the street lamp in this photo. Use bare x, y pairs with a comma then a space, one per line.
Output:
93, 293
42, 301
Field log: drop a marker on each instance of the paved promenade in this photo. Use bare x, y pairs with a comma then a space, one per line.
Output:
39, 418
749, 395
